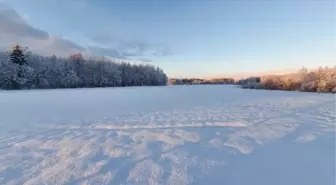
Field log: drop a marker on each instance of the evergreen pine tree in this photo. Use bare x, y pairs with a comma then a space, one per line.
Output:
17, 56
19, 64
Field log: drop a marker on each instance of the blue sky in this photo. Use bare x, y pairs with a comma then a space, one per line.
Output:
195, 37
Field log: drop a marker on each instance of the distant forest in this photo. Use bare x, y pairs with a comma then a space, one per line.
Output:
320, 80
195, 81
21, 69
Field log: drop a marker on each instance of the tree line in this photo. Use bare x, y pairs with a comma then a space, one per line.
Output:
322, 79
195, 81
21, 69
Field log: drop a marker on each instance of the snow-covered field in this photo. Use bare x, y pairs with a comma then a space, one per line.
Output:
167, 135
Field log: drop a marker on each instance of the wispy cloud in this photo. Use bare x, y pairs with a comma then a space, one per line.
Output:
132, 48
15, 28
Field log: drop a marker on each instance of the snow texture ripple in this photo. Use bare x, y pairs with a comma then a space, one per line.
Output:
173, 135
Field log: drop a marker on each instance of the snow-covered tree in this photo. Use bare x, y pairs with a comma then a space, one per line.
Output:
17, 56
72, 72
320, 80
14, 70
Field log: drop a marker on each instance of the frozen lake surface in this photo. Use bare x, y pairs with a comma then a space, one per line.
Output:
173, 135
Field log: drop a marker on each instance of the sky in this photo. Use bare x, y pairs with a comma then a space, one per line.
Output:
186, 38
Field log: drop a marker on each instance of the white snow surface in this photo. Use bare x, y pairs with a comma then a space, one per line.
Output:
176, 135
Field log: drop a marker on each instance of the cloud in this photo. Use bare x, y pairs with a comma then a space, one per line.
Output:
133, 48
100, 51
12, 23
163, 52
145, 60
63, 43
15, 29
25, 18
